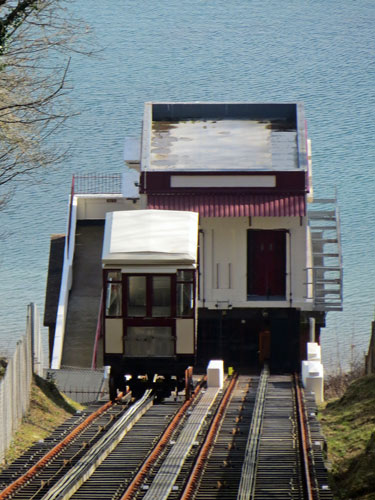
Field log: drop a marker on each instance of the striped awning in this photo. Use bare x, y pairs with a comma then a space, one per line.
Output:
232, 204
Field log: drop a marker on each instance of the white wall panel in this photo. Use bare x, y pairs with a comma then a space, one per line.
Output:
224, 254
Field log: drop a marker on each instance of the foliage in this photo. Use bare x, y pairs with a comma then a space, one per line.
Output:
3, 366
336, 384
36, 39
348, 424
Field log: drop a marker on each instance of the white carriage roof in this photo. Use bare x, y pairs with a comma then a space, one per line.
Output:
150, 237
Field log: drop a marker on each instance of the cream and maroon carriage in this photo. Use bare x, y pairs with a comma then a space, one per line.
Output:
149, 286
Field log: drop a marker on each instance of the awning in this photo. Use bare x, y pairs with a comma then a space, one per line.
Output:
232, 205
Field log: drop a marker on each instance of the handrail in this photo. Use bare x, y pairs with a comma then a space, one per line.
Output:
66, 280
70, 216
98, 333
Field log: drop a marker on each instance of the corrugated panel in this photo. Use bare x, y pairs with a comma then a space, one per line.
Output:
232, 205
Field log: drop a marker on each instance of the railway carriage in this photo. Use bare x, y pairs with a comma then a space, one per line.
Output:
149, 284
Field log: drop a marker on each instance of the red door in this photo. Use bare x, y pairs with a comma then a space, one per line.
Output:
266, 263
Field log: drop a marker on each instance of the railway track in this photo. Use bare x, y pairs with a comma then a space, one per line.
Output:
250, 440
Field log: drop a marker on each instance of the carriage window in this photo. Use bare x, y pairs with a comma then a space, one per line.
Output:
113, 275
137, 295
161, 296
185, 293
184, 275
114, 301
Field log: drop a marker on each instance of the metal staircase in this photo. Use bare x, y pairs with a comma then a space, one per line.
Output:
326, 273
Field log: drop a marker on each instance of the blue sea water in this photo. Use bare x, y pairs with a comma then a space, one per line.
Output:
321, 53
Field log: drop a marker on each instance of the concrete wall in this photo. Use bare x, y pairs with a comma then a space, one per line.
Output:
223, 261
96, 206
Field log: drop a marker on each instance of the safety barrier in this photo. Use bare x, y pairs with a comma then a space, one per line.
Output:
15, 386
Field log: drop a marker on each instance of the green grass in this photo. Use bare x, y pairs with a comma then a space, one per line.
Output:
48, 409
349, 427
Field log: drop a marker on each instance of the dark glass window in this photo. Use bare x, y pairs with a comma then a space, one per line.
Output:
137, 296
149, 296
185, 293
113, 305
161, 296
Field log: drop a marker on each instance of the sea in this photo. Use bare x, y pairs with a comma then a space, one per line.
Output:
314, 51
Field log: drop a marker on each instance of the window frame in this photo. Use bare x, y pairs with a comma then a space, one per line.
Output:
108, 282
191, 281
149, 296
174, 281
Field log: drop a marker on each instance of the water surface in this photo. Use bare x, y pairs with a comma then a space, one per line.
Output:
237, 50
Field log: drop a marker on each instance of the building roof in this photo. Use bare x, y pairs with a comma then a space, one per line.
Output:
206, 137
222, 145
232, 204
150, 237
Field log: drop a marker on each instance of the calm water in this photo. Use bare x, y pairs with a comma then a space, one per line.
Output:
224, 50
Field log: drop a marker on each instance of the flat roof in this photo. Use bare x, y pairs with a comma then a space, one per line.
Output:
222, 145
223, 137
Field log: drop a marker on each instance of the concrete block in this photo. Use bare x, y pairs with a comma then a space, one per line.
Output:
313, 379
215, 373
314, 352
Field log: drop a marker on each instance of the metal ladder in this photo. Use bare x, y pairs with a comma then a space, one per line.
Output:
326, 271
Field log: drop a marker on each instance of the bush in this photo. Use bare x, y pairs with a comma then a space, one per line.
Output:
3, 366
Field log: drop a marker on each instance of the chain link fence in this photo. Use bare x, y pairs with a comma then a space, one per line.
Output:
15, 385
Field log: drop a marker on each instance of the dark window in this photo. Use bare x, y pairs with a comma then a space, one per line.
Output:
161, 296
113, 306
148, 296
137, 296
185, 294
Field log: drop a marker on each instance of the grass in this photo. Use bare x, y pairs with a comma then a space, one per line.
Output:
48, 409
349, 427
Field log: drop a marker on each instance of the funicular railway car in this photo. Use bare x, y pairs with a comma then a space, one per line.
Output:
149, 284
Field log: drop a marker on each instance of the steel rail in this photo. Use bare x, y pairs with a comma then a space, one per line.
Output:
192, 483
141, 475
302, 428
248, 474
36, 468
81, 471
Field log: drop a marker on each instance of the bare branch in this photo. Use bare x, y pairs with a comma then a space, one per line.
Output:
43, 100
32, 90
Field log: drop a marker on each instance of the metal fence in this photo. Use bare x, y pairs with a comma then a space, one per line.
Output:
83, 385
97, 184
15, 386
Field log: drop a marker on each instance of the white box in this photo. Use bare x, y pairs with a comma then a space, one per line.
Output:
312, 379
314, 352
215, 373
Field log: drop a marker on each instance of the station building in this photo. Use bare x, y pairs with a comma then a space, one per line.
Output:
267, 265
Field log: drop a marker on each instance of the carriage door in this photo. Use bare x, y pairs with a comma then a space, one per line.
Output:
266, 264
149, 319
